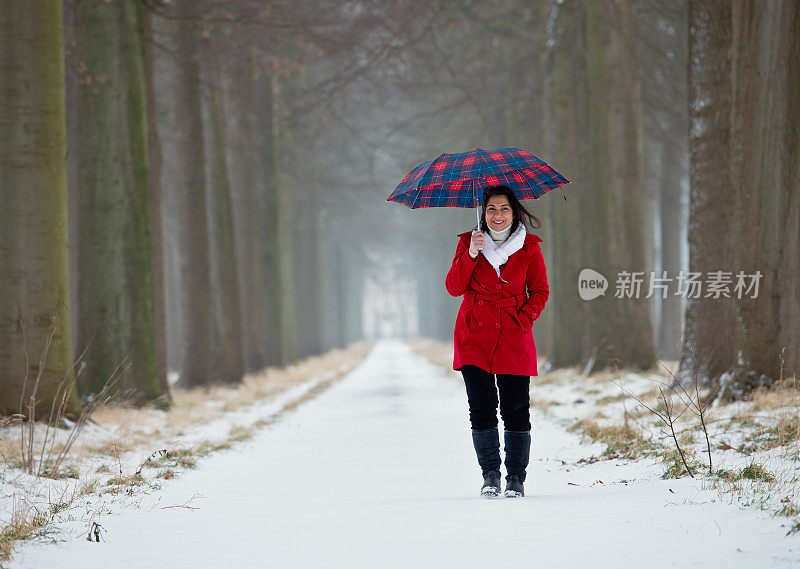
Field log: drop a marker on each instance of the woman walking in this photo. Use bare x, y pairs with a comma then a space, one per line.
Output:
504, 284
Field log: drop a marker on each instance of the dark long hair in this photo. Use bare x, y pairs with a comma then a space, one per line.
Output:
516, 207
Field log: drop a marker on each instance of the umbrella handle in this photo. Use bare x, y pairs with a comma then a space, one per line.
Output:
477, 213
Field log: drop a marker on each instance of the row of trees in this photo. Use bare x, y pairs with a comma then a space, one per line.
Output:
563, 79
223, 194
669, 138
169, 238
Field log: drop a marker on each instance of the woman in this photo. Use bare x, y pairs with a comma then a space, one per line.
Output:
492, 334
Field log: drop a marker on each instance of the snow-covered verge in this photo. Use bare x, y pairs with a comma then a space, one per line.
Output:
124, 453
379, 471
754, 444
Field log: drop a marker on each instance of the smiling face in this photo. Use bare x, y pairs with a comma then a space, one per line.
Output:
499, 214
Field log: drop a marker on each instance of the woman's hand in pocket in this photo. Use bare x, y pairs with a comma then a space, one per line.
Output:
524, 320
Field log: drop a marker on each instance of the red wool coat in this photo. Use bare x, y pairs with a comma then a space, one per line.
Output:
493, 326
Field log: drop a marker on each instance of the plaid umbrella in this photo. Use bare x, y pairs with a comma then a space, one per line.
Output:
453, 180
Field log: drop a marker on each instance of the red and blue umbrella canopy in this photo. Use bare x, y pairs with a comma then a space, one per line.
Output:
457, 179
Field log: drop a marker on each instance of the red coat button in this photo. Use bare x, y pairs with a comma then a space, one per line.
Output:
480, 302
497, 287
497, 325
480, 323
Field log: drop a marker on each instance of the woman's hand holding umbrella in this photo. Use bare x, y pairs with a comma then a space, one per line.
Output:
477, 243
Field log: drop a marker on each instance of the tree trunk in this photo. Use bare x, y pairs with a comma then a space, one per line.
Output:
566, 125
744, 78
155, 211
183, 184
226, 359
267, 134
115, 294
620, 332
252, 130
33, 218
285, 204
708, 334
765, 83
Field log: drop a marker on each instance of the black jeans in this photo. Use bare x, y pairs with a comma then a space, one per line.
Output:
482, 398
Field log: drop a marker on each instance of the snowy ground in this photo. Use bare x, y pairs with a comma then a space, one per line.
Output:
379, 471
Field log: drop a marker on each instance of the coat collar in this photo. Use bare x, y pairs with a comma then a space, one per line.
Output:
530, 239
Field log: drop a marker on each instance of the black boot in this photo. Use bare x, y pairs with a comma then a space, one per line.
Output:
487, 448
491, 484
517, 449
514, 488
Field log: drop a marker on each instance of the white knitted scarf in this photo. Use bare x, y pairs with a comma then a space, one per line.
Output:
499, 254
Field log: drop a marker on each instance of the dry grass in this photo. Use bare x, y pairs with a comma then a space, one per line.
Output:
27, 521
770, 418
783, 430
757, 485
674, 463
557, 376
118, 429
31, 519
612, 398
782, 394
622, 441
435, 351
202, 405
129, 428
544, 404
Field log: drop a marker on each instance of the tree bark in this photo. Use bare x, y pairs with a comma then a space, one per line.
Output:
620, 331
226, 359
566, 123
252, 131
765, 83
708, 334
115, 287
33, 218
267, 136
285, 204
744, 80
183, 182
155, 210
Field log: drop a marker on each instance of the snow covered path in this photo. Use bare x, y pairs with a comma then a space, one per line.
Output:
379, 471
